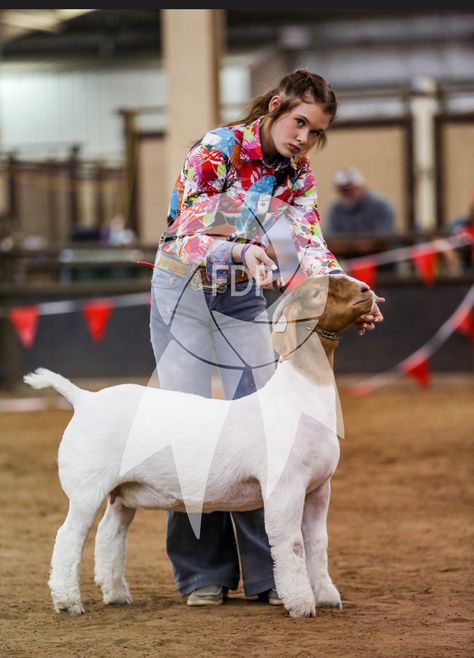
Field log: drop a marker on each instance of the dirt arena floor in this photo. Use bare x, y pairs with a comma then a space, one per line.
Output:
401, 548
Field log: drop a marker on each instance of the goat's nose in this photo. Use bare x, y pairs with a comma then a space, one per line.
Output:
364, 288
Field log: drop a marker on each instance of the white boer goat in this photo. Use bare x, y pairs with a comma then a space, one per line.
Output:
284, 465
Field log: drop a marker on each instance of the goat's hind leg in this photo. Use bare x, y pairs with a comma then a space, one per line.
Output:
66, 560
316, 545
110, 552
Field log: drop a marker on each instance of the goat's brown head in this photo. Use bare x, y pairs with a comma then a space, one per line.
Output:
326, 304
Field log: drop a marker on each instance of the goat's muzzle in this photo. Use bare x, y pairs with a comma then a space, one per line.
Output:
366, 301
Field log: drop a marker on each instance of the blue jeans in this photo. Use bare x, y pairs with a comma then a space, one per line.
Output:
193, 334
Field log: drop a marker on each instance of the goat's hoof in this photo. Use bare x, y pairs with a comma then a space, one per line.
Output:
329, 597
302, 609
125, 599
330, 604
70, 608
118, 595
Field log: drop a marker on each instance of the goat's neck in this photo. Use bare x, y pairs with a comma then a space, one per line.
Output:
307, 372
314, 359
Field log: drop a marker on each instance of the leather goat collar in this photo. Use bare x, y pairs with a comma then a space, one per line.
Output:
330, 335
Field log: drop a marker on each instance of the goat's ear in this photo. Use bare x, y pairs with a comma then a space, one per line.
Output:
284, 334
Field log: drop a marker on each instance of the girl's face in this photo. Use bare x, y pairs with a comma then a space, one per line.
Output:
296, 131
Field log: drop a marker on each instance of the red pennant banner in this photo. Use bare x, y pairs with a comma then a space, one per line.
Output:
364, 271
465, 325
419, 371
97, 316
25, 321
425, 261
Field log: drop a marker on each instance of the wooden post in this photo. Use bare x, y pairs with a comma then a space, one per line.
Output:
73, 166
12, 203
51, 169
192, 47
129, 205
424, 106
99, 193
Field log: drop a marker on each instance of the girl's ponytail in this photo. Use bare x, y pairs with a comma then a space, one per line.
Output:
258, 106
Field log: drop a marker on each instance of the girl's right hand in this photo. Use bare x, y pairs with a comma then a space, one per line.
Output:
258, 264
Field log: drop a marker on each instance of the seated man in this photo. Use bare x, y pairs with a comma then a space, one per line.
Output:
358, 211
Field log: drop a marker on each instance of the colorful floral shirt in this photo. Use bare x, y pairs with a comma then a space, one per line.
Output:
227, 193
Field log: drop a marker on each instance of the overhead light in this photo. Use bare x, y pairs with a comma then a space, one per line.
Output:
67, 14
45, 20
295, 37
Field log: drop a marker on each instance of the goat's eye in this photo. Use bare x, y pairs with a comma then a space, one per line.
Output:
317, 293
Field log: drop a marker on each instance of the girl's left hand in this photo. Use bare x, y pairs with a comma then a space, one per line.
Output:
367, 321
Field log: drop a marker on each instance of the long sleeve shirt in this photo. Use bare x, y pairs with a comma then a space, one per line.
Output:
226, 193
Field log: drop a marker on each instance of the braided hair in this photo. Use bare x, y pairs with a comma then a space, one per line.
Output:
299, 86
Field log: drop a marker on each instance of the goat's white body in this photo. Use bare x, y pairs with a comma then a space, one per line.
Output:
255, 438
155, 448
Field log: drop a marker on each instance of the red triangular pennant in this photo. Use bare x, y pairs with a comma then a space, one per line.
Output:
419, 371
364, 271
25, 321
97, 315
425, 261
465, 325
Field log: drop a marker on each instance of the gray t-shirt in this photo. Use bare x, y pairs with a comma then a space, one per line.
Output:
371, 215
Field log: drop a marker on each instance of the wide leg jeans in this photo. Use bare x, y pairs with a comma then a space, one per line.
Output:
194, 334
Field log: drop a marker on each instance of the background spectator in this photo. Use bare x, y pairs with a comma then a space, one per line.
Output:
116, 233
359, 210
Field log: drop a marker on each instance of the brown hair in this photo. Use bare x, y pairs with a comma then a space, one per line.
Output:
299, 86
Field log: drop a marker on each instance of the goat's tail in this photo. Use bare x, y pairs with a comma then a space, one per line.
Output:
42, 378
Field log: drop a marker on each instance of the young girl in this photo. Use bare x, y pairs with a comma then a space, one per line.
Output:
207, 311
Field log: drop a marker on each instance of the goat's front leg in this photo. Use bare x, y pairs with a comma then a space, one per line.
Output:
283, 516
110, 553
316, 546
66, 559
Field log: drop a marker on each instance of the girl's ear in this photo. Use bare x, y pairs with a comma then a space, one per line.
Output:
274, 103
